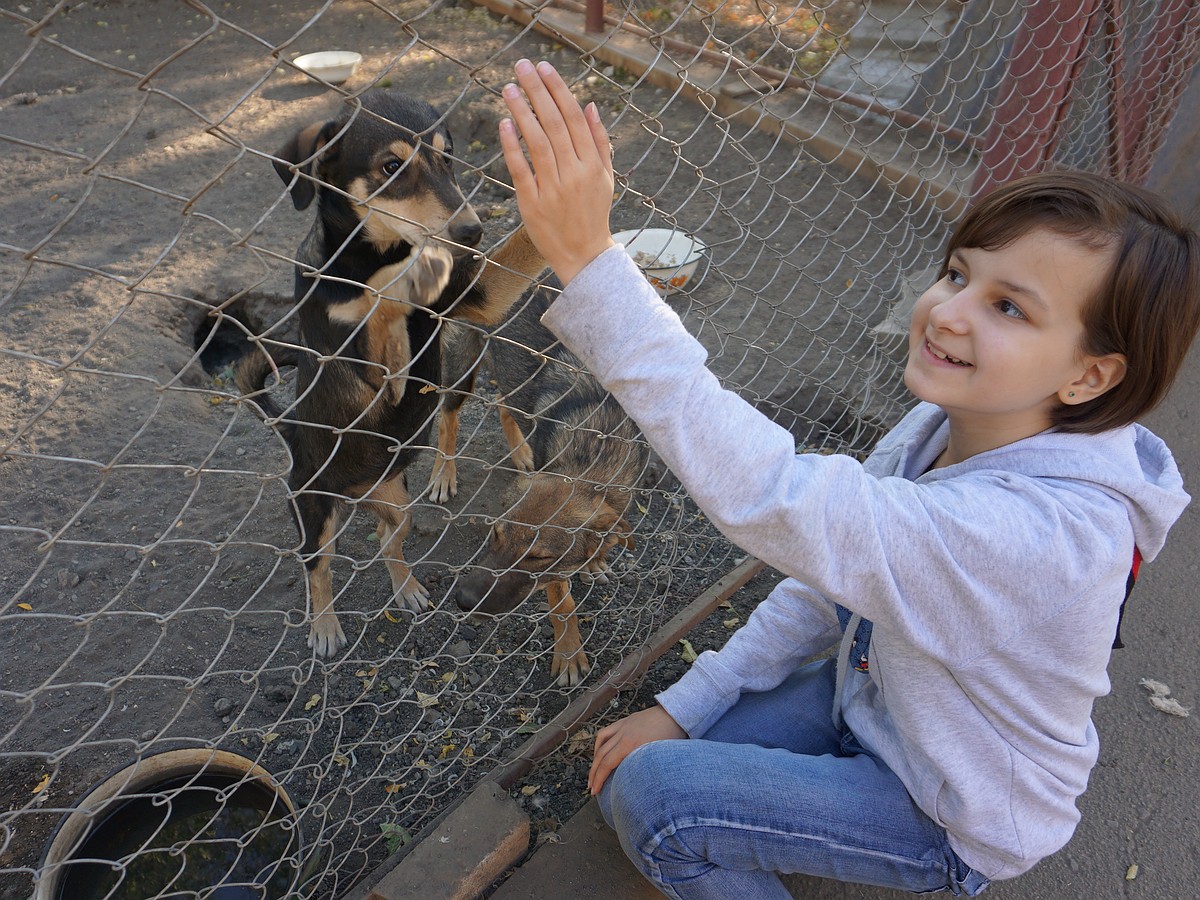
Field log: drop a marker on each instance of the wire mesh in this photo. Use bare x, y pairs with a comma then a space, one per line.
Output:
153, 586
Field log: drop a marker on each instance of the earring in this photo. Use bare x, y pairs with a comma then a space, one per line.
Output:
1070, 393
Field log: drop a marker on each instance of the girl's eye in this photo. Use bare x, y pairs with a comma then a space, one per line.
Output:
1008, 308
955, 277
391, 167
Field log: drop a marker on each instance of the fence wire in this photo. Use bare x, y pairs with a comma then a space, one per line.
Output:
153, 585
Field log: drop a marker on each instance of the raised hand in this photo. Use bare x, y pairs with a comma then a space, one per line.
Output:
566, 195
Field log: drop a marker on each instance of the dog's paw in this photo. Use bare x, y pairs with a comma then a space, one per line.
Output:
412, 595
443, 480
522, 457
569, 670
429, 274
325, 636
596, 571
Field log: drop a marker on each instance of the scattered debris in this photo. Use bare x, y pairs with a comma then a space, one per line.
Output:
1160, 699
1170, 706
1156, 688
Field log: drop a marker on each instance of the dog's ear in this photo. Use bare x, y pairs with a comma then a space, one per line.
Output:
304, 146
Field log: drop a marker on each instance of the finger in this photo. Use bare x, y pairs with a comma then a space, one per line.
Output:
569, 109
551, 109
600, 137
532, 129
514, 157
602, 767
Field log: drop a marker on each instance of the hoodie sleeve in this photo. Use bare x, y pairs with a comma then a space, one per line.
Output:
790, 625
943, 560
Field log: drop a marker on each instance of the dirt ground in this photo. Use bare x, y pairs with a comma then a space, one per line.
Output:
150, 591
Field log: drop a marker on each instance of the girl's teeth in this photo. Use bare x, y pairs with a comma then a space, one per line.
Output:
947, 357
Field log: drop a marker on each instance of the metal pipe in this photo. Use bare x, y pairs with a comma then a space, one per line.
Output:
594, 20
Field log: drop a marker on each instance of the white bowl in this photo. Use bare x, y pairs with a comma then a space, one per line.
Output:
333, 66
668, 258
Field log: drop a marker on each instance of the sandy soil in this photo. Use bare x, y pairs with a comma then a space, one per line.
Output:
149, 589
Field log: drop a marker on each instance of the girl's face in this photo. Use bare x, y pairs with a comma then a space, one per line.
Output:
996, 342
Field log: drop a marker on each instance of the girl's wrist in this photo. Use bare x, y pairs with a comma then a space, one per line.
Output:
567, 267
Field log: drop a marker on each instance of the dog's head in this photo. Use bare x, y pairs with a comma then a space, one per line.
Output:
556, 528
386, 163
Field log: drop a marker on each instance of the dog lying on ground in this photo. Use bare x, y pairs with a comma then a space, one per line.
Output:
586, 457
389, 256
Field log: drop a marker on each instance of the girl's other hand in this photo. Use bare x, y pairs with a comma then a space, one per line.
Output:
566, 196
616, 741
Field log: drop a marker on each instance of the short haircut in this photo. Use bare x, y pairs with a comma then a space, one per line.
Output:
1148, 306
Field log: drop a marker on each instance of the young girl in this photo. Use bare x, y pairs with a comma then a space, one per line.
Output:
970, 572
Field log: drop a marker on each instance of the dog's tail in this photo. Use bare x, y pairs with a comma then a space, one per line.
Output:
252, 370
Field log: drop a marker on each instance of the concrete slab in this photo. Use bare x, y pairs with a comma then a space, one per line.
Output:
584, 863
468, 850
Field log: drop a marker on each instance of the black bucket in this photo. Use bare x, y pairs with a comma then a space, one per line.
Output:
178, 821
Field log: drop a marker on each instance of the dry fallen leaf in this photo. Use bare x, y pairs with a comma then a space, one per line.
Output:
1156, 688
427, 388
1170, 706
1131, 872
688, 652
24, 606
426, 700
530, 789
41, 785
312, 701
270, 736
580, 742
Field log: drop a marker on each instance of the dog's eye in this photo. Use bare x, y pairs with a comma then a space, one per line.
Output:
391, 167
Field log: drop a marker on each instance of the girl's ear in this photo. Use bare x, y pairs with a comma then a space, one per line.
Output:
1103, 373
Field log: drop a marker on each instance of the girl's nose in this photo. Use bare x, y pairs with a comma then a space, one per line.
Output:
951, 314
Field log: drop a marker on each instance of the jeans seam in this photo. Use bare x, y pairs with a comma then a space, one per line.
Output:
650, 846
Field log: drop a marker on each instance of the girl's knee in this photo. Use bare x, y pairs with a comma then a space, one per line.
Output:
633, 796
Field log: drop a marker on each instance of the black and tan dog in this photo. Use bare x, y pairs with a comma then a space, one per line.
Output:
390, 255
586, 457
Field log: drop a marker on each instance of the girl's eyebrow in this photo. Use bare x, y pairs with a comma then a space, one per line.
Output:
1010, 286
1014, 288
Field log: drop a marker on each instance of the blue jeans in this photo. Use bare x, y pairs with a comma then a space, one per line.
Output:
775, 787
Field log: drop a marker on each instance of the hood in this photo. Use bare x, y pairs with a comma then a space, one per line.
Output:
1131, 463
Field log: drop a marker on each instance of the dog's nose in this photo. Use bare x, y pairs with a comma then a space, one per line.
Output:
466, 599
469, 234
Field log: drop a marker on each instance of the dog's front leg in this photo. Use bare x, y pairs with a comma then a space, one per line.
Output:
325, 635
390, 502
520, 452
569, 663
507, 274
416, 281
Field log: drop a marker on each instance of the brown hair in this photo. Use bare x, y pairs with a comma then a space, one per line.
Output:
1147, 308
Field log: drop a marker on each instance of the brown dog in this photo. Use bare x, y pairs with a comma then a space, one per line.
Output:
587, 456
389, 257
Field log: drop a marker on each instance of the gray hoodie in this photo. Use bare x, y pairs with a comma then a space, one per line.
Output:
993, 585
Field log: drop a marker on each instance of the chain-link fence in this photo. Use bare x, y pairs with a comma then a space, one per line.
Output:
154, 585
